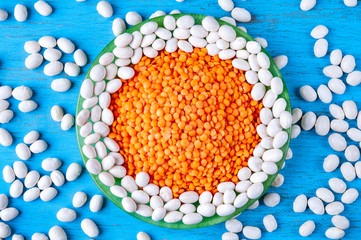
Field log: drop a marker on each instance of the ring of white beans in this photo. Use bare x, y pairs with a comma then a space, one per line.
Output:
95, 118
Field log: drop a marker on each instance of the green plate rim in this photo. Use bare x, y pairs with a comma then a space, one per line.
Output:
207, 221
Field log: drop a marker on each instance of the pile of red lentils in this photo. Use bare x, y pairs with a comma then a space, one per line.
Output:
187, 119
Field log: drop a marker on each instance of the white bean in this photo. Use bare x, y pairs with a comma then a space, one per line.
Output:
277, 85
265, 76
316, 206
47, 42
334, 233
337, 185
16, 189
148, 28
258, 91
336, 57
352, 153
48, 194
350, 109
348, 171
340, 222
241, 14
33, 61
319, 31
286, 119
143, 236
9, 214
73, 172
53, 68
225, 209
71, 69
255, 190
262, 41
308, 93
107, 179
186, 21
308, 121
52, 54
336, 111
129, 184
227, 33
271, 199
65, 45
141, 197
158, 214
337, 142
224, 186
324, 93
325, 195
270, 223
31, 194
307, 228
253, 47
337, 86
61, 85
32, 47
39, 236
142, 179
354, 78
350, 3
96, 203
105, 9
8, 174
57, 233
279, 180
31, 179
229, 236
320, 48
43, 8
322, 126
233, 225
252, 232
118, 26
119, 191
331, 162
281, 61
354, 134
67, 122
169, 23
89, 228
333, 71
300, 203
226, 5
192, 218
349, 196
20, 13
348, 63
66, 215
3, 15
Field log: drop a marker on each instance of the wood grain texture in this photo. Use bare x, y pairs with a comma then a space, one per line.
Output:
284, 26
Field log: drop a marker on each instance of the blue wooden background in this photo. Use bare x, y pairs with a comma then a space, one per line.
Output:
287, 30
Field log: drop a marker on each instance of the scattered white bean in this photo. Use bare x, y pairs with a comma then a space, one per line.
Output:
308, 93
320, 48
89, 227
307, 228
337, 185
331, 162
43, 8
105, 9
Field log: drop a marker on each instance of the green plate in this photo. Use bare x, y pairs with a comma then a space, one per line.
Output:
207, 221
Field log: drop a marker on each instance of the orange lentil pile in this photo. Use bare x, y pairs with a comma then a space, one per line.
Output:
187, 119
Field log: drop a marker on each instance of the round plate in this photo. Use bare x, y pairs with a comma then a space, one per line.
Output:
207, 221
